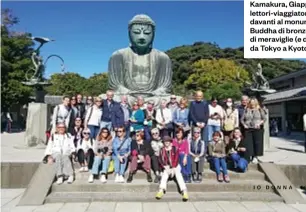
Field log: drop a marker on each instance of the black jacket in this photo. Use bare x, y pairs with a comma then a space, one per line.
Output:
81, 110
233, 145
144, 149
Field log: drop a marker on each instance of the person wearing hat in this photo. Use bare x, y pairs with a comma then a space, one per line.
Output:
197, 151
169, 160
136, 119
156, 145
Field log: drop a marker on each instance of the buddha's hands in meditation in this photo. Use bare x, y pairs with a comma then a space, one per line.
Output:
159, 92
122, 90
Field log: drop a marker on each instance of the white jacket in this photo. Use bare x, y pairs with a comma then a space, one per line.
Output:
60, 144
167, 116
85, 145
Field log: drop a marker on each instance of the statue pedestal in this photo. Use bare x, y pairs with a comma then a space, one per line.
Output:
37, 124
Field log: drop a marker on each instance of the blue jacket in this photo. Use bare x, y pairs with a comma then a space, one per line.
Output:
198, 112
179, 117
139, 117
113, 113
125, 148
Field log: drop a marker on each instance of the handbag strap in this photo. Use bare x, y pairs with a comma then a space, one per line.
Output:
119, 148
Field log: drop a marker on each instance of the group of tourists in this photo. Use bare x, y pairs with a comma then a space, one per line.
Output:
174, 140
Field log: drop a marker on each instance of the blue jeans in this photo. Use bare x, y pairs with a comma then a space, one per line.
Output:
240, 163
119, 167
108, 125
210, 130
186, 170
147, 133
94, 131
217, 162
97, 162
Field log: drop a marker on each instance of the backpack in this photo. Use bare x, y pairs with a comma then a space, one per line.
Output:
229, 124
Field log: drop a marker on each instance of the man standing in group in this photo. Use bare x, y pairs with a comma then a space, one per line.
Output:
112, 116
198, 113
126, 114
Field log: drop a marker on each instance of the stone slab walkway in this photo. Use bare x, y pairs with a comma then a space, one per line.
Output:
10, 197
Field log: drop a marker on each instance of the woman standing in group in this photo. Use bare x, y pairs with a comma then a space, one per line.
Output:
103, 151
181, 114
253, 119
214, 122
230, 120
93, 118
137, 119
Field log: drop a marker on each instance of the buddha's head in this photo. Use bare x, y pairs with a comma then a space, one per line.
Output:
141, 33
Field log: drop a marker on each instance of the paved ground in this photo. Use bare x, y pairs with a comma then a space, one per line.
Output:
10, 197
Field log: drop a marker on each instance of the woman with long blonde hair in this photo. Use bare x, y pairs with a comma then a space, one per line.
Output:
253, 120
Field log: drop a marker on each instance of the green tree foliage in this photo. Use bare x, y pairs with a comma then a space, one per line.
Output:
66, 84
183, 57
218, 77
16, 49
96, 84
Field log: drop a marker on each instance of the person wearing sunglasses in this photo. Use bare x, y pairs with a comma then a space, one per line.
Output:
140, 156
89, 103
136, 119
156, 145
196, 151
85, 151
103, 149
59, 150
76, 131
121, 153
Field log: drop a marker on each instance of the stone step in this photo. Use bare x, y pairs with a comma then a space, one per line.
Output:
64, 197
207, 174
251, 166
141, 185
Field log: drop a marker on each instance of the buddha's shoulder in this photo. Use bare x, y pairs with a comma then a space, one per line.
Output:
161, 54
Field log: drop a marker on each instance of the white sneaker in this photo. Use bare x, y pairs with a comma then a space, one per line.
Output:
60, 180
103, 179
70, 180
117, 179
121, 179
81, 169
255, 161
85, 169
91, 178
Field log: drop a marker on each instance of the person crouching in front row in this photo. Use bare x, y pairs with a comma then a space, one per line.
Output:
216, 149
85, 151
169, 160
121, 153
140, 156
59, 150
103, 151
236, 151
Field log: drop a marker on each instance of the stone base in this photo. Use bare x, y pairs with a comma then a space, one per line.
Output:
37, 123
132, 98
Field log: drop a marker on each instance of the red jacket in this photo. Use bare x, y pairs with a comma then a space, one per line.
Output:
163, 158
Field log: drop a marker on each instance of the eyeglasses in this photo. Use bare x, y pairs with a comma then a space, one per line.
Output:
86, 133
120, 131
172, 98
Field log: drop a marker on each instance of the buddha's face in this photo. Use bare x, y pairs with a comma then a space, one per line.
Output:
141, 35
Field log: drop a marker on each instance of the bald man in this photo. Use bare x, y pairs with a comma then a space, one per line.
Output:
198, 113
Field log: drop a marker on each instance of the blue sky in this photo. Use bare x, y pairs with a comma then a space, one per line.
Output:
87, 33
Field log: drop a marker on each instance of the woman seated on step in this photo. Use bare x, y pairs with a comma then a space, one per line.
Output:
85, 151
103, 151
181, 143
216, 150
140, 156
59, 150
156, 144
121, 153
236, 151
169, 161
197, 152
